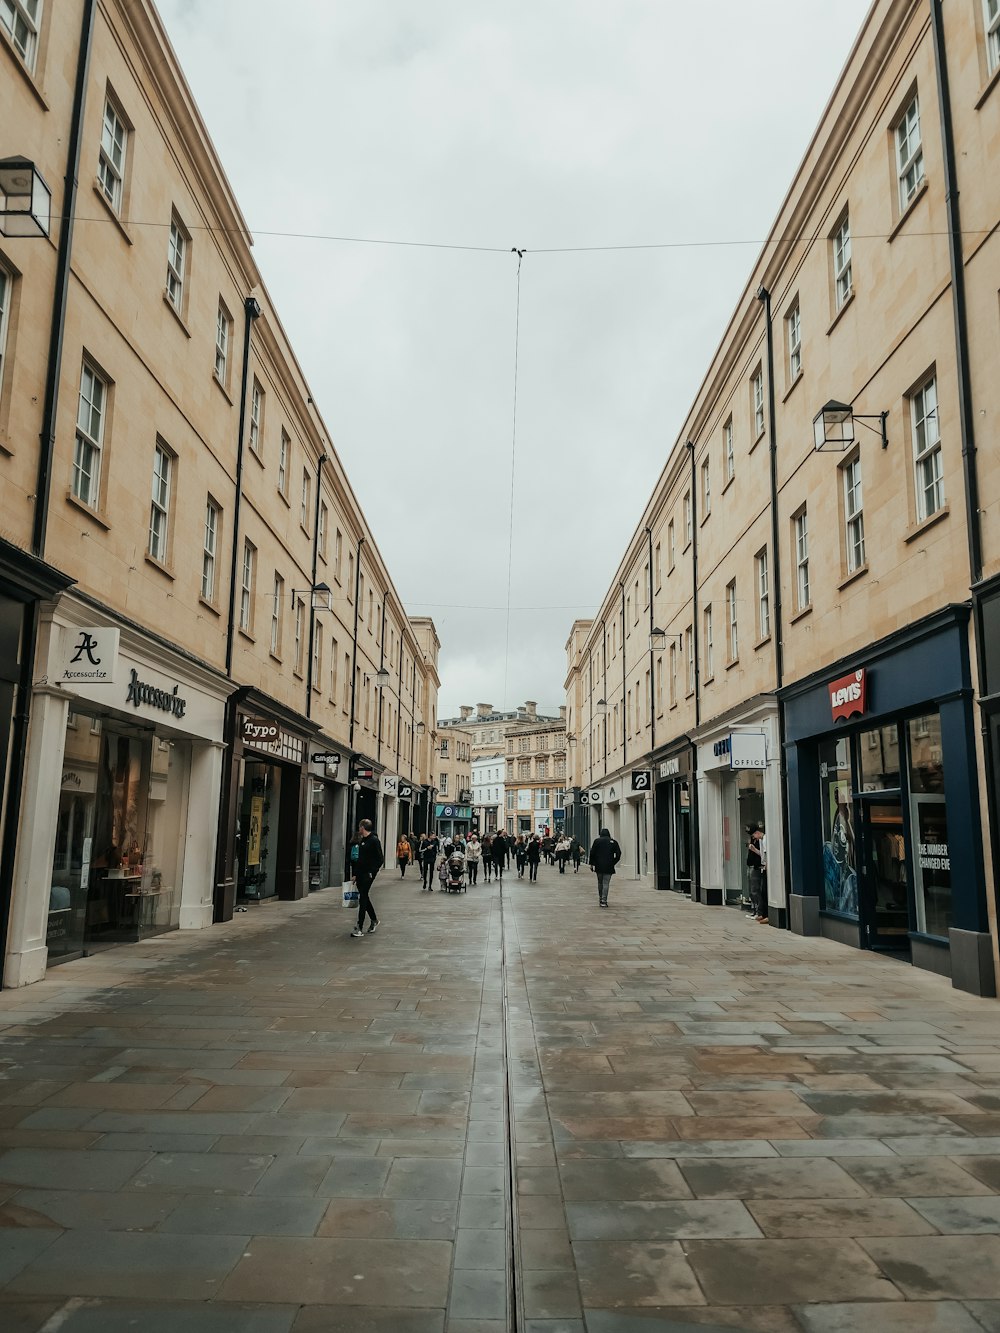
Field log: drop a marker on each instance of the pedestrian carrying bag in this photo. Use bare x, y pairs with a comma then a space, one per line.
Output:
351, 895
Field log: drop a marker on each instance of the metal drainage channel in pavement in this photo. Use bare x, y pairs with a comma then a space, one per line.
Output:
515, 1293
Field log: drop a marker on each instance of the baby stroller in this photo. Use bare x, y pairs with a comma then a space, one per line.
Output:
453, 873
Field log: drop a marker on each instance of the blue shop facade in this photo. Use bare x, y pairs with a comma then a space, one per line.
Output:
884, 828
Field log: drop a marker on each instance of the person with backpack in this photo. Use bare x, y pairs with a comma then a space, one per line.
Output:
367, 859
604, 856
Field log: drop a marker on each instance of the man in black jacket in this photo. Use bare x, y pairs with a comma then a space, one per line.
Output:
604, 856
499, 853
366, 866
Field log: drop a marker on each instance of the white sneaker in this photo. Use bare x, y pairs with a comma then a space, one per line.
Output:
356, 934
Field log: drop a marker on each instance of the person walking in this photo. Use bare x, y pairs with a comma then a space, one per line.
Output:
499, 853
487, 845
534, 855
365, 865
428, 860
562, 853
756, 873
604, 856
576, 853
520, 855
404, 855
473, 853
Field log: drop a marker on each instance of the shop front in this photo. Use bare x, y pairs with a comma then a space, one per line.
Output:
124, 768
675, 817
885, 833
452, 819
328, 766
739, 790
267, 808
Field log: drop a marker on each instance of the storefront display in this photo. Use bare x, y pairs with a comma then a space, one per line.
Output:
674, 818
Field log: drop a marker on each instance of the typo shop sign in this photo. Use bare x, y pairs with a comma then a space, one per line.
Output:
258, 732
141, 692
849, 695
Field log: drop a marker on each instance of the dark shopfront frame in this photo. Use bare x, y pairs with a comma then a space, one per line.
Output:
292, 870
899, 669
673, 766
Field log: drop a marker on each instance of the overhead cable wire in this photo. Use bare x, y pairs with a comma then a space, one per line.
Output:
513, 460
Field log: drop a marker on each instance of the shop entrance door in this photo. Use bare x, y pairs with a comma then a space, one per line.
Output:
883, 893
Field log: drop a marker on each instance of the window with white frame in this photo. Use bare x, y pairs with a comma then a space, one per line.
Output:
89, 447
20, 20
444, 749
159, 509
210, 549
223, 337
909, 153
687, 519
247, 577
304, 503
991, 15
728, 449
800, 533
927, 449
347, 682
689, 645
671, 545
793, 335
732, 617
443, 784
706, 487
763, 595
317, 676
524, 768
854, 515
541, 798
111, 155
324, 517
277, 602
338, 554
299, 619
6, 285
659, 684
541, 768
177, 253
657, 569
843, 277
757, 401
283, 449
708, 649
256, 416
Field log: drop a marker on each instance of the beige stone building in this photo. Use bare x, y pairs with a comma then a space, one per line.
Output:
802, 631
453, 808
536, 778
207, 673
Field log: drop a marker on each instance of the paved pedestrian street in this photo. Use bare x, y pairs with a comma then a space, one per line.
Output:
270, 1126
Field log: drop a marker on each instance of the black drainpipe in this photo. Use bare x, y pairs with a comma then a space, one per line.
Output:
251, 311
381, 688
351, 804
955, 252
625, 720
315, 566
764, 296
695, 831
652, 662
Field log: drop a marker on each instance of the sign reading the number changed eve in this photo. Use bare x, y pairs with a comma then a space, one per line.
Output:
90, 656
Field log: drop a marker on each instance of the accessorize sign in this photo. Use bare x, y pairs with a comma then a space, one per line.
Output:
90, 655
141, 692
849, 695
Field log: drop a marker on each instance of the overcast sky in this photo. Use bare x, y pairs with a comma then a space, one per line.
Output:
501, 123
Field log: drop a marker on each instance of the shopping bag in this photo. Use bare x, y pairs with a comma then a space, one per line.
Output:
351, 896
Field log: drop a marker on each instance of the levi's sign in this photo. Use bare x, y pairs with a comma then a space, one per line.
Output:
849, 695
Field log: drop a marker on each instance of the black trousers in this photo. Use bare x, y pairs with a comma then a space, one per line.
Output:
532, 870
473, 868
365, 908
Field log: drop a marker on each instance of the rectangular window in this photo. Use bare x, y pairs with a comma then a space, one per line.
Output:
318, 660
757, 402
304, 504
728, 450
256, 416
909, 154
19, 20
299, 619
688, 531
210, 550
443, 749
338, 553
709, 649
763, 596
927, 449
541, 798
283, 449
524, 768
793, 335
177, 252
732, 614
673, 675
347, 682
541, 768
87, 452
671, 545
223, 337
249, 568
277, 602
656, 554
843, 280
5, 294
706, 487
159, 511
800, 525
854, 517
991, 15
929, 826
111, 157
689, 645
443, 784
659, 684
324, 515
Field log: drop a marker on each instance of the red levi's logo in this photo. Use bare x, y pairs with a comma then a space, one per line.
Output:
849, 695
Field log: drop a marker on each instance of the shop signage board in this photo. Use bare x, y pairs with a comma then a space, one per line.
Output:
748, 749
405, 792
141, 692
453, 811
670, 767
592, 796
849, 695
260, 731
641, 779
90, 655
329, 757
389, 784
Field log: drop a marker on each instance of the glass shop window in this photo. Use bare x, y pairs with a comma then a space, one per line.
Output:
879, 750
929, 826
840, 866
